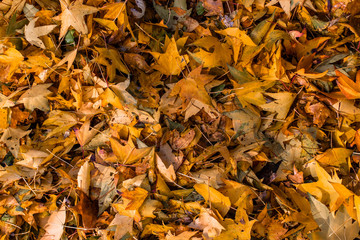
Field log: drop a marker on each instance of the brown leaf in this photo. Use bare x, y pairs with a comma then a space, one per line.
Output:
88, 209
179, 142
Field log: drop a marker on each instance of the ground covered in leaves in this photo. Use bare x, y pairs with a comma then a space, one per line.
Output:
179, 120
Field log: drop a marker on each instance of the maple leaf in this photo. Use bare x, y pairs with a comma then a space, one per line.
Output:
69, 57
219, 57
193, 86
35, 97
284, 99
339, 226
85, 134
348, 87
216, 199
235, 230
33, 159
88, 210
237, 38
166, 170
55, 224
106, 182
213, 7
128, 154
170, 62
83, 177
73, 15
112, 60
11, 138
123, 224
208, 223
136, 197
10, 59
33, 33
251, 92
288, 6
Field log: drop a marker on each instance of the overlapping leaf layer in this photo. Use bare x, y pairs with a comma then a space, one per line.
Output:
207, 119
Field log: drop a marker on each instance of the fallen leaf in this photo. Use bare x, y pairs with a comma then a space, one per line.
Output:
73, 15
10, 60
334, 157
33, 159
332, 226
123, 225
215, 199
136, 197
33, 33
348, 87
11, 138
35, 97
112, 60
88, 209
166, 170
54, 227
208, 224
84, 177
170, 62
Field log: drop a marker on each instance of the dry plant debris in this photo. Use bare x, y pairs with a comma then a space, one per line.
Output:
197, 119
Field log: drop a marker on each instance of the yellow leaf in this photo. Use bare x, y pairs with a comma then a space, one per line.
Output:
120, 207
193, 86
235, 230
251, 92
148, 208
236, 192
4, 118
322, 189
216, 199
10, 60
170, 62
167, 172
136, 197
69, 57
128, 154
334, 156
311, 75
219, 57
155, 229
108, 96
106, 23
239, 34
281, 105
112, 60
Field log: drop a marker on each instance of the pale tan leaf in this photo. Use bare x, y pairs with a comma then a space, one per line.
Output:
84, 177
55, 224
33, 33
35, 97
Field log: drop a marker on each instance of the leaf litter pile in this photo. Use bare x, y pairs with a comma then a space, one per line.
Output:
177, 120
